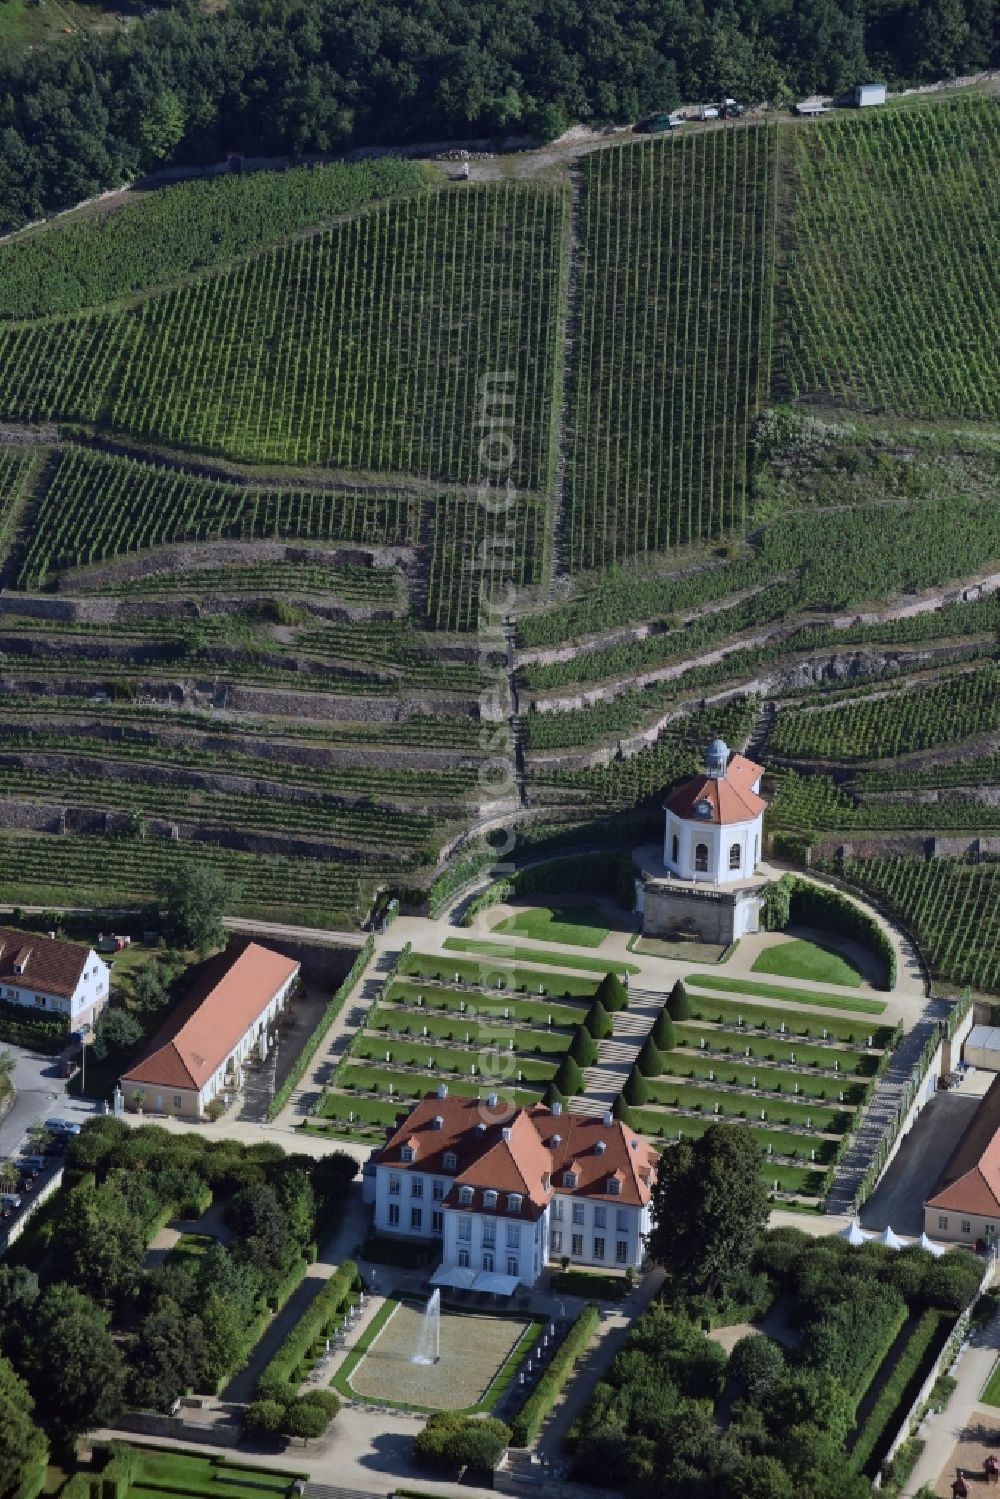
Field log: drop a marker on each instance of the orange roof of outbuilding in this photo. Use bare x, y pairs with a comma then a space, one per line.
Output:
970, 1183
207, 1025
730, 798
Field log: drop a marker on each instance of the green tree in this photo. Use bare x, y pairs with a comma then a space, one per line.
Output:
777, 907
264, 1415
100, 1246
150, 991
636, 1090
759, 1364
649, 1061
611, 993
569, 1079
709, 1209
583, 1047
302, 1419
663, 1033
167, 1357
598, 1021
678, 1004
162, 125
195, 899
23, 1447
73, 1365
116, 1030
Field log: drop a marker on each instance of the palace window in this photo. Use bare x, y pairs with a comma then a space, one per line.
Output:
942, 1223
578, 1212
514, 1203
394, 1186
437, 1191
406, 1153
513, 1267
966, 1226
489, 1199
513, 1236
416, 1217
465, 1228
621, 1252
734, 856
450, 1160
577, 1249
417, 1186
489, 1233
557, 1208
569, 1178
598, 1249
463, 1259
600, 1217
557, 1241
437, 1223
394, 1215
465, 1196
701, 858
614, 1187
621, 1221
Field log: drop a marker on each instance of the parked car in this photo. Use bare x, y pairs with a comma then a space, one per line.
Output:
709, 112
69, 1067
62, 1126
9, 1202
30, 1165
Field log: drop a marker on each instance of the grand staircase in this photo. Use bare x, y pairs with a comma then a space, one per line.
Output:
616, 1055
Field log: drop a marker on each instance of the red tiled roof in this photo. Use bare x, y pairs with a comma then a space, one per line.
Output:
206, 1027
970, 1183
518, 1151
729, 799
49, 965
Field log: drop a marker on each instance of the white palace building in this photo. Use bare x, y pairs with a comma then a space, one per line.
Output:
704, 880
502, 1199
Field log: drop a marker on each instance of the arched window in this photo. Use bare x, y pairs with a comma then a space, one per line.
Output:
675, 849
701, 858
734, 856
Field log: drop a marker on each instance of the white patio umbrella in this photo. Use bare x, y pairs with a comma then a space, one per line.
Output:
852, 1233
937, 1250
889, 1239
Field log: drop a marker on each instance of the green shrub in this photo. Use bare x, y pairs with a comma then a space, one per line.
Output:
611, 993
583, 1047
462, 1441
649, 1062
598, 1021
679, 1004
275, 1383
569, 1079
892, 1398
543, 1397
635, 1091
663, 1033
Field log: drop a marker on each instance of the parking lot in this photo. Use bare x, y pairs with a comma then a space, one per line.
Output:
900, 1196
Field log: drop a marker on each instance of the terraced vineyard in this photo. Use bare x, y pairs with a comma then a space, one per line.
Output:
891, 291
672, 354
300, 442
954, 907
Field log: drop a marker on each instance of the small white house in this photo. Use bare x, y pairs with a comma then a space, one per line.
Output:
867, 94
714, 823
47, 974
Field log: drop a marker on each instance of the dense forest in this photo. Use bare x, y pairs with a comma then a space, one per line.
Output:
301, 76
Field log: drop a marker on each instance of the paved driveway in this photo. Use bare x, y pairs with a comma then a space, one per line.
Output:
39, 1093
923, 1155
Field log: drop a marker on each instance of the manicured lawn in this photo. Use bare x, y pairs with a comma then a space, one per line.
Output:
187, 1474
190, 1247
501, 977
821, 998
798, 959
415, 1085
805, 1179
590, 1285
991, 1394
445, 1060
706, 1007
734, 1103
688, 1063
532, 955
575, 926
776, 1048
484, 1025
450, 1001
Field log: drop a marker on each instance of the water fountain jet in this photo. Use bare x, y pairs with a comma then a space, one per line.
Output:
429, 1336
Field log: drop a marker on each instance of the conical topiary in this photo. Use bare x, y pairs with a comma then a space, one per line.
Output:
552, 1095
635, 1091
598, 1021
621, 1110
663, 1033
679, 1005
649, 1061
569, 1078
583, 1047
612, 993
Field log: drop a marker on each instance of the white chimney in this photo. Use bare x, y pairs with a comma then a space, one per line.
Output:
437, 1122
491, 1100
608, 1119
505, 1132
600, 1147
556, 1109
442, 1090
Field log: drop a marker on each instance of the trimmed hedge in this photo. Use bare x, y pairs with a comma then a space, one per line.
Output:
815, 905
601, 874
314, 1042
279, 1377
527, 1422
24, 1027
895, 1391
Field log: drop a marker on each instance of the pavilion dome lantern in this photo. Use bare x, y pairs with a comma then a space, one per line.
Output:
717, 759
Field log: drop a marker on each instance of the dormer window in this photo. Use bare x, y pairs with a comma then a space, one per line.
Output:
614, 1187
407, 1153
514, 1202
703, 808
450, 1160
569, 1178
465, 1196
489, 1199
